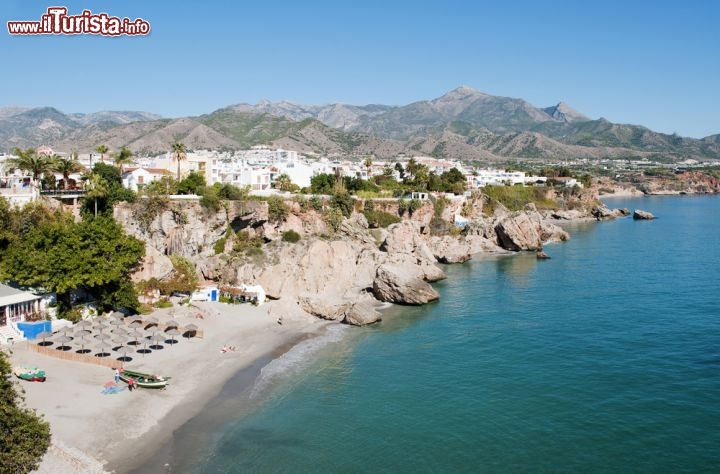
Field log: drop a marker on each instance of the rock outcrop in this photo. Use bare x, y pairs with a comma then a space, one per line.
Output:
393, 284
526, 230
642, 215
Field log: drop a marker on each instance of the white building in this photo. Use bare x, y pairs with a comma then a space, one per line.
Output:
137, 178
15, 306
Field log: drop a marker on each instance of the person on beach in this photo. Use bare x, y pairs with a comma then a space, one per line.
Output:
117, 375
131, 384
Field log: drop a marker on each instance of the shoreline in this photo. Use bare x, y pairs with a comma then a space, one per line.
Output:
95, 432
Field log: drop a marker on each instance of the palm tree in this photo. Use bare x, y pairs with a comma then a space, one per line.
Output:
96, 187
66, 166
368, 165
124, 157
28, 160
102, 149
179, 153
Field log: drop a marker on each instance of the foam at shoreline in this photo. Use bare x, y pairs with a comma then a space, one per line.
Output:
295, 359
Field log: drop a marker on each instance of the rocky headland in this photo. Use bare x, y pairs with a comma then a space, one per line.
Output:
342, 272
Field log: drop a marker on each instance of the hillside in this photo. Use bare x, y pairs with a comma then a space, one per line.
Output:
462, 124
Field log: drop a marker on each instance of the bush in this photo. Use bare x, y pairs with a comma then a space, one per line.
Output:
343, 202
277, 209
219, 246
514, 198
290, 236
164, 303
378, 219
334, 218
316, 203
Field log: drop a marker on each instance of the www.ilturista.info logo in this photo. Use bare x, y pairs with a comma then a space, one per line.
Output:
57, 22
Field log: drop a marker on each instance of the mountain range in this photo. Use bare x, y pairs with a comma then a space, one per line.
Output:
464, 124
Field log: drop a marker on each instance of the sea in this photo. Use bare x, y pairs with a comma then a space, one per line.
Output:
603, 359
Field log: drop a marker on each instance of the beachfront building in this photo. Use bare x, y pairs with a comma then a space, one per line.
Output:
15, 307
495, 177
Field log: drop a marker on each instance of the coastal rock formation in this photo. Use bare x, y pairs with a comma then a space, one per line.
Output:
153, 265
568, 215
602, 212
642, 215
323, 308
361, 313
357, 313
526, 230
393, 284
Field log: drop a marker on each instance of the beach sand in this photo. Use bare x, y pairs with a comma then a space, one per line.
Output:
94, 432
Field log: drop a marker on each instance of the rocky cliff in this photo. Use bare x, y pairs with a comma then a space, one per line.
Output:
336, 275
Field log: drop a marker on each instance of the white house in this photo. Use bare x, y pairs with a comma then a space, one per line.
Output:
15, 306
136, 178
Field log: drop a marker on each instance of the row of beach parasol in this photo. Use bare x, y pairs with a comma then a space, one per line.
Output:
102, 338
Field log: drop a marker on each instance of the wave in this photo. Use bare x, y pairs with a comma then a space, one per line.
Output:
297, 358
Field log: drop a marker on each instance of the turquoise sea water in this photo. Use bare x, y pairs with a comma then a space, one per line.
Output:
605, 358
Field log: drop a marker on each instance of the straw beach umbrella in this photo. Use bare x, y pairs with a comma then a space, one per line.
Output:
172, 332
172, 324
44, 335
62, 341
102, 348
82, 338
190, 331
125, 351
157, 338
84, 323
136, 334
117, 322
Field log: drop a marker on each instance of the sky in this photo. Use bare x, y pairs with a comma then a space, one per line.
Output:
652, 63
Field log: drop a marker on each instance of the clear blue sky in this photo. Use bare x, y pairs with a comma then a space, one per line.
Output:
654, 63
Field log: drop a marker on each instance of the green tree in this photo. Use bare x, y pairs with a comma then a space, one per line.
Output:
343, 202
28, 160
179, 153
322, 183
368, 164
401, 171
65, 166
62, 256
24, 435
115, 190
277, 209
96, 188
411, 168
284, 183
124, 157
193, 183
102, 149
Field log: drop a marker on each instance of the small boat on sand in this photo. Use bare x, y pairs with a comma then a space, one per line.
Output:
144, 380
31, 374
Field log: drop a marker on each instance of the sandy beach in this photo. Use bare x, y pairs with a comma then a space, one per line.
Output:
94, 432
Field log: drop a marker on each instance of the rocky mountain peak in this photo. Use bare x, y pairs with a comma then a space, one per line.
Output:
564, 113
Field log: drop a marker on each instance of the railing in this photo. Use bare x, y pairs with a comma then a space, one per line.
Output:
63, 192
